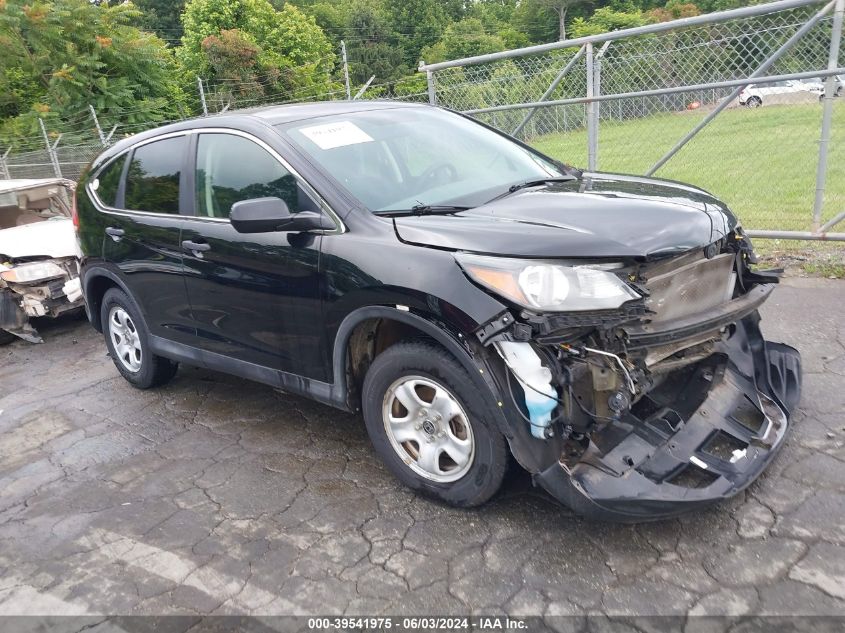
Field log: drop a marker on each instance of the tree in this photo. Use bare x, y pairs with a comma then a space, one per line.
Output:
539, 23
373, 46
60, 56
234, 60
674, 10
420, 23
463, 39
499, 17
331, 16
293, 58
605, 20
162, 17
560, 9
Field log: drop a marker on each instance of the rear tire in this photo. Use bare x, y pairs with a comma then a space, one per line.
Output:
6, 337
753, 102
127, 339
444, 443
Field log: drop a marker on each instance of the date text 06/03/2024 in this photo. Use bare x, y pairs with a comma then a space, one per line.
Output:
421, 623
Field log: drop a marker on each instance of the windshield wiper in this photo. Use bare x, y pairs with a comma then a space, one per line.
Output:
533, 183
425, 209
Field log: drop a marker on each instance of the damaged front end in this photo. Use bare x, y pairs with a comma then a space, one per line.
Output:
46, 287
39, 255
668, 401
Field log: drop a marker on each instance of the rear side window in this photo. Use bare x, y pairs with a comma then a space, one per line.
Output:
232, 168
109, 180
152, 182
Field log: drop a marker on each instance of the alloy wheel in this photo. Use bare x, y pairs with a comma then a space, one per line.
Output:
428, 428
125, 339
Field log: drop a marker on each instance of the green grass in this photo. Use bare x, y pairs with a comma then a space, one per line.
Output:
829, 269
761, 162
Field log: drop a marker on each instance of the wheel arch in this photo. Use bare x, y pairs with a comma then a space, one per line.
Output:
96, 282
368, 331
532, 454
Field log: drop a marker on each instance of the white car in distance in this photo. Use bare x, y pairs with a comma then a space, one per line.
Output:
780, 92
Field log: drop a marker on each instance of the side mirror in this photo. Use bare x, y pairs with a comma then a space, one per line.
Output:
266, 215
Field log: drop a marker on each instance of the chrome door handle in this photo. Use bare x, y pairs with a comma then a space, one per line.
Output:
197, 248
115, 233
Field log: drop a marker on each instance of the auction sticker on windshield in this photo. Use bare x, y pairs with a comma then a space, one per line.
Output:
331, 135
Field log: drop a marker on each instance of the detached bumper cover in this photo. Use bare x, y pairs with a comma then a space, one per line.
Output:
665, 466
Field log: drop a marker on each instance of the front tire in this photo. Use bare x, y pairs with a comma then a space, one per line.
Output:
431, 425
6, 337
127, 339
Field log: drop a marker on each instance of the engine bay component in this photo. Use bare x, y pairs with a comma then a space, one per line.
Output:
535, 380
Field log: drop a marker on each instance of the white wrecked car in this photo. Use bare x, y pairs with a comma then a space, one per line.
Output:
39, 255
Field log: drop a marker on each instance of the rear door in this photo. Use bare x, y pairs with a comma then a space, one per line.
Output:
256, 297
143, 232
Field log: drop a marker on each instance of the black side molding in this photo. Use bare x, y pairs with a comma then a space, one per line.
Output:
294, 383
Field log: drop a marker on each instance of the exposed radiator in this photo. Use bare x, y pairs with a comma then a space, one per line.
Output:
691, 288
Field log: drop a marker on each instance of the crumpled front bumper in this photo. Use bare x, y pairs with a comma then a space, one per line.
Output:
20, 303
665, 467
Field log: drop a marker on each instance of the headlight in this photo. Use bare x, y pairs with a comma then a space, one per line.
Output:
36, 271
549, 286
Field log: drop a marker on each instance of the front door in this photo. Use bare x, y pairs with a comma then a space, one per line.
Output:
256, 297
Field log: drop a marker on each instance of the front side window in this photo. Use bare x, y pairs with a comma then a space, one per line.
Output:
108, 181
232, 168
152, 182
396, 158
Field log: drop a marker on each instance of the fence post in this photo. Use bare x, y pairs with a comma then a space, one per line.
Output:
4, 168
597, 62
827, 114
51, 149
363, 89
345, 70
97, 123
105, 139
202, 97
432, 90
592, 123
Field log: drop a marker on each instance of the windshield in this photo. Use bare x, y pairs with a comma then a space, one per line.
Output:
400, 158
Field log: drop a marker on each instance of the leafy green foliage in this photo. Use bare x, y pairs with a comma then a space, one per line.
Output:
374, 47
162, 17
606, 19
60, 56
289, 55
420, 23
464, 39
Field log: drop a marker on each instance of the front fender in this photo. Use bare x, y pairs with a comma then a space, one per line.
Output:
483, 366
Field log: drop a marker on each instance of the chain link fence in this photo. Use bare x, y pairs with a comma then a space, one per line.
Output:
665, 100
64, 149
660, 100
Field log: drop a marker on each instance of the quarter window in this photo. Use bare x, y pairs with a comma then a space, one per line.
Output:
232, 168
109, 180
152, 182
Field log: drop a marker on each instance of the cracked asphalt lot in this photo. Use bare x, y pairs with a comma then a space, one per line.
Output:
216, 495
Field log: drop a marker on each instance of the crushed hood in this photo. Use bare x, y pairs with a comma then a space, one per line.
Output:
51, 238
599, 215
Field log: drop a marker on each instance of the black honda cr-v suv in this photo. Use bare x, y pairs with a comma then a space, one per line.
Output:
471, 296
